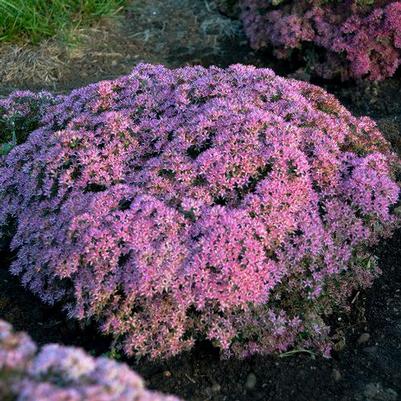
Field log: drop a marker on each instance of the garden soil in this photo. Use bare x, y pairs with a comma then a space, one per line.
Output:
366, 365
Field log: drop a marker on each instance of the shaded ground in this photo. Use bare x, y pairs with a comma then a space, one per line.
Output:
170, 32
175, 33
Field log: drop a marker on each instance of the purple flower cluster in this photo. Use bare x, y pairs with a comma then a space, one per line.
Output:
361, 39
176, 205
58, 373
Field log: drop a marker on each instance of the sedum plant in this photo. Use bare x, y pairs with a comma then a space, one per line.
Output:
54, 372
20, 114
342, 38
177, 205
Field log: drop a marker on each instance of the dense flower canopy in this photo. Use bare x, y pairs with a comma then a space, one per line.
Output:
58, 373
360, 38
176, 205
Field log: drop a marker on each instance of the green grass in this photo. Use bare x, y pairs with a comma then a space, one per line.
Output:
34, 20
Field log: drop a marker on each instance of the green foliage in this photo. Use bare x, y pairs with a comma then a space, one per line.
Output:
365, 2
33, 20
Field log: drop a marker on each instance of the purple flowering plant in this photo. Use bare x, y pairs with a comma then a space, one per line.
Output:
58, 373
176, 205
348, 38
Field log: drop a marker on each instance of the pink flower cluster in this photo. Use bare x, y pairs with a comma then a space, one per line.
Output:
58, 373
175, 205
359, 39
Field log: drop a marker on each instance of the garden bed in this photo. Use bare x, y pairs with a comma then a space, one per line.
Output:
367, 366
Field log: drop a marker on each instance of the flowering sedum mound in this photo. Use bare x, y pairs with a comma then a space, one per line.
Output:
352, 38
58, 373
177, 205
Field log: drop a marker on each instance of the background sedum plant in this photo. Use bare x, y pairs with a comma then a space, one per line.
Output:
176, 205
347, 38
54, 372
20, 114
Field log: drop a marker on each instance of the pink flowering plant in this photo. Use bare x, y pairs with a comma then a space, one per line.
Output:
348, 38
20, 114
175, 205
58, 373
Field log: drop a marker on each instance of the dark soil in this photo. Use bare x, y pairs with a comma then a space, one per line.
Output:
367, 365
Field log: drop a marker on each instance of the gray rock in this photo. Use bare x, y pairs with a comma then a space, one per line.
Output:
251, 381
376, 392
336, 375
364, 338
